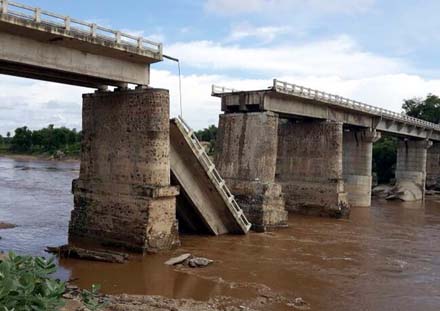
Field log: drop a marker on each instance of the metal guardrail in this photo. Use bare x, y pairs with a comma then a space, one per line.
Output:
297, 90
213, 174
222, 90
304, 92
93, 30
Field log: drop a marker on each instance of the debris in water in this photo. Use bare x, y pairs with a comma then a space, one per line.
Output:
299, 303
189, 261
177, 260
67, 251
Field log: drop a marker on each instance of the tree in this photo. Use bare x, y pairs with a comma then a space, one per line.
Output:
384, 158
426, 109
208, 135
22, 140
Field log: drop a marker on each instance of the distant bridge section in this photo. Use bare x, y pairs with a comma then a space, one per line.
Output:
317, 148
293, 100
38, 44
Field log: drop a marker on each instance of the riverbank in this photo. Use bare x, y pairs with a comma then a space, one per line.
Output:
38, 157
5, 225
158, 303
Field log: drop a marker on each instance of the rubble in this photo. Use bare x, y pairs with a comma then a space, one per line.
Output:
189, 260
67, 251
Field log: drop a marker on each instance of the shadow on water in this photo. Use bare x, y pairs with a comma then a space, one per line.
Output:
383, 258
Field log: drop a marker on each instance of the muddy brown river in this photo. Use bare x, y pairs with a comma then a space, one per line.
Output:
386, 257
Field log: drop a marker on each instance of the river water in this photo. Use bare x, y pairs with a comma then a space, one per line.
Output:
386, 257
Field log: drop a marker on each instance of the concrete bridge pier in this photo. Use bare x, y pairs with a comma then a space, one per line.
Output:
411, 168
123, 195
357, 165
433, 166
247, 153
309, 167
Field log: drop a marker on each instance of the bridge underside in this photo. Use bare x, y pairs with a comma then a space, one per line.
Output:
53, 75
53, 54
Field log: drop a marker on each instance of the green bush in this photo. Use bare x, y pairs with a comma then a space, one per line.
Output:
25, 284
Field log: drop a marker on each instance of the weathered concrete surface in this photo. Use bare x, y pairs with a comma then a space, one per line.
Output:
123, 195
246, 158
205, 204
357, 165
51, 53
309, 167
433, 167
411, 169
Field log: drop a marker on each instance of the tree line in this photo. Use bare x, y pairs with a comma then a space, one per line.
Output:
48, 140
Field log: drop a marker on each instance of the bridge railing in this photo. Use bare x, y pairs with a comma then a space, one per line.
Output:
297, 90
222, 90
40, 16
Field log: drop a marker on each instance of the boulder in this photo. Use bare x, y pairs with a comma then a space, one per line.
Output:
199, 262
406, 191
189, 260
381, 191
177, 260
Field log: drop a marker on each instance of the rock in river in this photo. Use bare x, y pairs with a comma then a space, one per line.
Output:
176, 260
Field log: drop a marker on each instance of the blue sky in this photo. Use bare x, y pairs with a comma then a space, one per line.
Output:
375, 51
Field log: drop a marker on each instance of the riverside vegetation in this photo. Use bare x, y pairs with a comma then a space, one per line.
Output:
26, 285
47, 141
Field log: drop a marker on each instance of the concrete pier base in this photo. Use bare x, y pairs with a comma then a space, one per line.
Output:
411, 169
433, 167
357, 165
123, 195
246, 159
309, 167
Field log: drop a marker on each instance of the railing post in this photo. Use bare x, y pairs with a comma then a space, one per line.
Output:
118, 37
93, 29
139, 43
4, 6
67, 23
160, 48
38, 15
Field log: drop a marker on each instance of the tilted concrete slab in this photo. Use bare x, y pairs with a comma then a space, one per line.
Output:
293, 101
47, 46
211, 202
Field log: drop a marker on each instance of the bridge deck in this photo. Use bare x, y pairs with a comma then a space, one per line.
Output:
44, 45
296, 101
211, 206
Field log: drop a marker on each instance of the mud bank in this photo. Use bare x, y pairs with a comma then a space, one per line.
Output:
158, 303
5, 225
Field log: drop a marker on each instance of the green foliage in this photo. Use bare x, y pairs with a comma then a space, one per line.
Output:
46, 140
91, 298
426, 109
22, 140
25, 284
208, 135
384, 158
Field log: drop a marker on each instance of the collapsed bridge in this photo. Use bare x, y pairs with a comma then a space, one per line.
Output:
123, 196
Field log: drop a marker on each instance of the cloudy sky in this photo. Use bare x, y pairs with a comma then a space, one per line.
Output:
376, 51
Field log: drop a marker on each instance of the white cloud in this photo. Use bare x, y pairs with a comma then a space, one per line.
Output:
339, 56
155, 37
231, 7
37, 104
200, 109
265, 34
